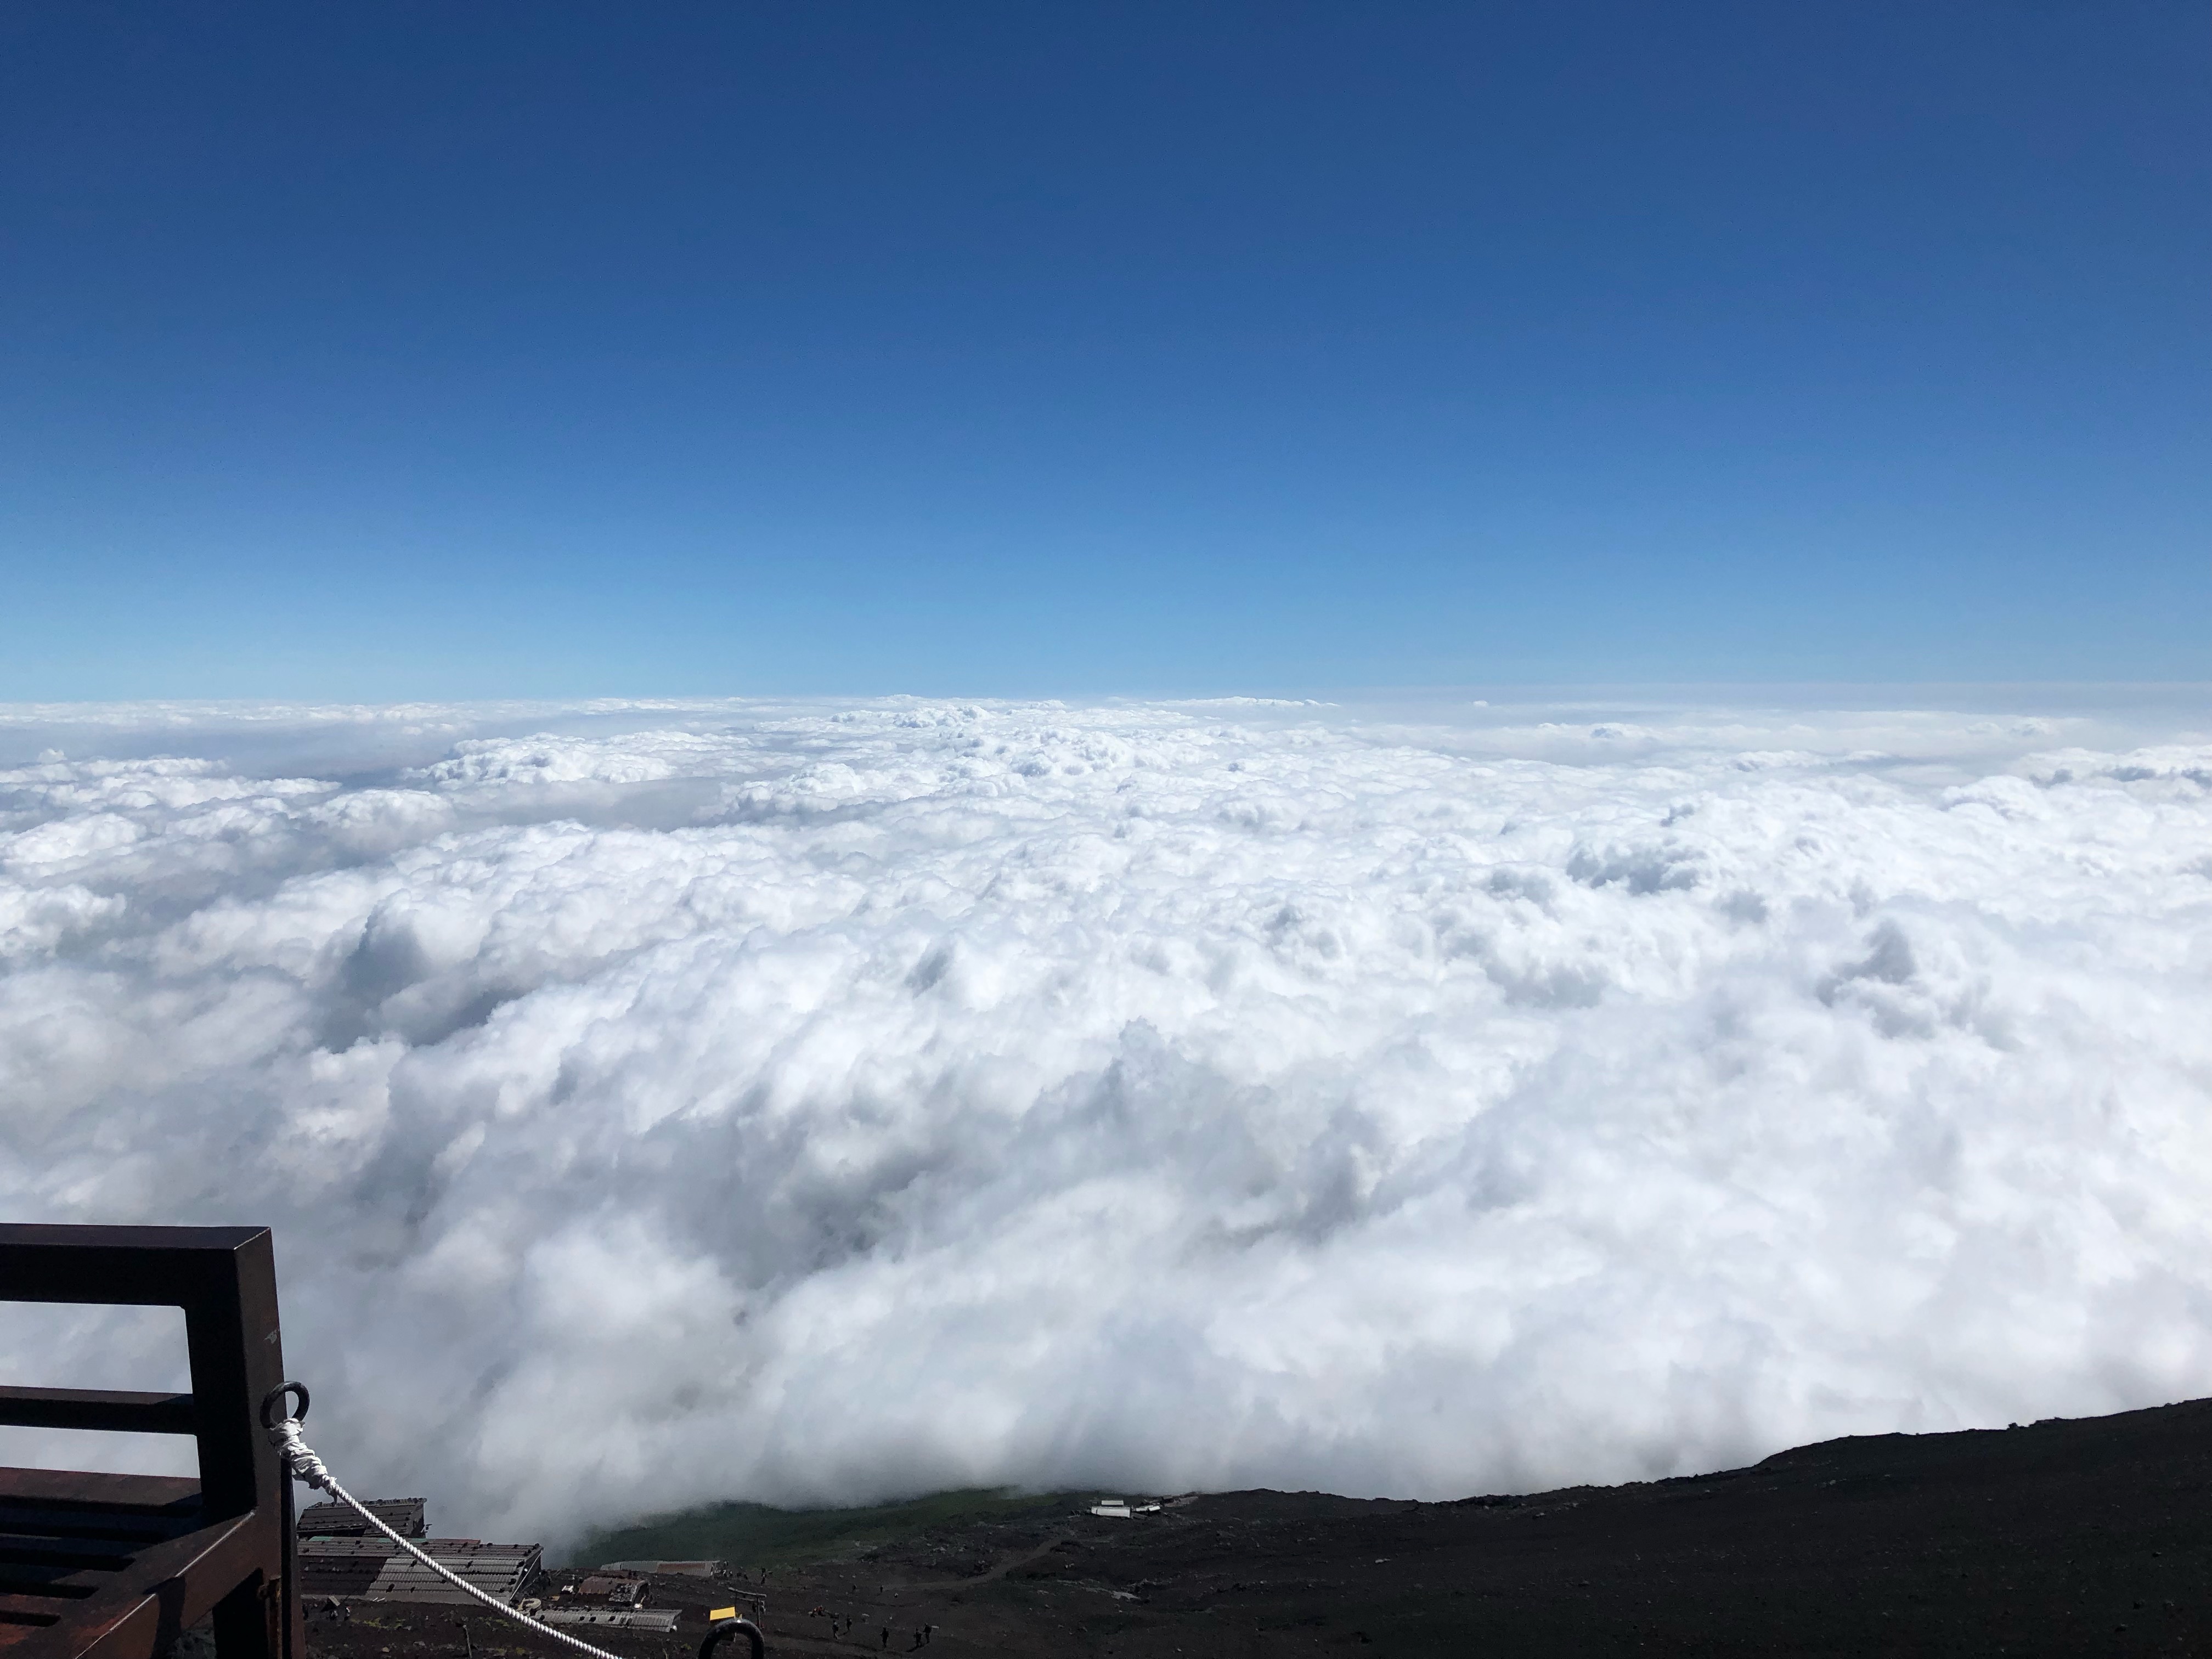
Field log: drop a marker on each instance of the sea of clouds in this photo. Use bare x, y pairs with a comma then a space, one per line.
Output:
819, 1102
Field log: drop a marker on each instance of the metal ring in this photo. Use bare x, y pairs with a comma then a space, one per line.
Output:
278, 1394
727, 1628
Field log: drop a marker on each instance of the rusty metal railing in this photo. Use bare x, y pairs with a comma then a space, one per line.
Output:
113, 1566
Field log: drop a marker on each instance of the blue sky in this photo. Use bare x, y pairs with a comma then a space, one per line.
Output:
504, 350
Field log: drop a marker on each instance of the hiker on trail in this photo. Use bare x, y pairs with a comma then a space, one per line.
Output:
887, 1635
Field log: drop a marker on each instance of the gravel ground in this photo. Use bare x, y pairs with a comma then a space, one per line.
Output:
2062, 1537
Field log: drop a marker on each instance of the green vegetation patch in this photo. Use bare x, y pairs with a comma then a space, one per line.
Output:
757, 1536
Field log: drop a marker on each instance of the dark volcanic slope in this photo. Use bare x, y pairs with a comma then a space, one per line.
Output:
2090, 1536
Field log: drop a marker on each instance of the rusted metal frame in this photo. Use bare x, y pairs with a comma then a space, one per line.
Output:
98, 1408
164, 1588
87, 1554
224, 1278
72, 1536
166, 1500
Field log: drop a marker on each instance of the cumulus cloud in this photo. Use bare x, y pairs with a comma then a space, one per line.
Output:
664, 1102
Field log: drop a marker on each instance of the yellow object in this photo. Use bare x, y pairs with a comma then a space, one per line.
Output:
722, 1613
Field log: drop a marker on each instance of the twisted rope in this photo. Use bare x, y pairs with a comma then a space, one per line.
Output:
304, 1466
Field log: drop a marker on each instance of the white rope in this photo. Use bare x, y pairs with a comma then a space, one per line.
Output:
300, 1458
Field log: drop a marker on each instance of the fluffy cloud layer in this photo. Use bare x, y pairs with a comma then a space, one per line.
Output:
657, 1105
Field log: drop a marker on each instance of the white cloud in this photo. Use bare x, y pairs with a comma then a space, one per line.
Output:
657, 1103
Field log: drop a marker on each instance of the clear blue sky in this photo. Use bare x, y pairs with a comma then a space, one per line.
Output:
479, 349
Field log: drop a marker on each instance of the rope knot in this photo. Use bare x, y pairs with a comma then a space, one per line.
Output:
298, 1456
299, 1460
